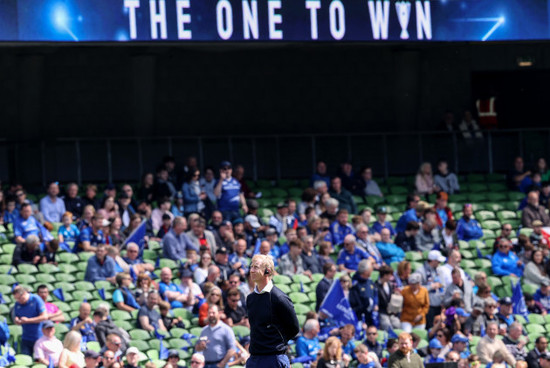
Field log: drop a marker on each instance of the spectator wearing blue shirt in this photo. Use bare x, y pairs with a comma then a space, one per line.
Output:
308, 344
25, 224
10, 214
29, 312
542, 295
51, 206
340, 228
413, 214
229, 194
176, 243
506, 262
123, 298
320, 174
389, 251
100, 266
351, 255
83, 323
68, 231
467, 228
171, 292
92, 236
381, 223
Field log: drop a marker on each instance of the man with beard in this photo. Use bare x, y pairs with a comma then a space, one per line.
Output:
405, 357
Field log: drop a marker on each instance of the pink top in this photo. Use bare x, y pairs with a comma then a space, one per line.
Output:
51, 308
45, 348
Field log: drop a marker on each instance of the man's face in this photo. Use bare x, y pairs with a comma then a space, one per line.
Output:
132, 359
53, 189
217, 218
26, 212
503, 246
85, 310
21, 298
213, 316
456, 258
132, 253
295, 251
72, 191
322, 168
234, 281
362, 233
114, 344
459, 346
49, 332
506, 309
518, 164
331, 273
152, 300
456, 278
336, 184
468, 211
233, 301
166, 275
108, 358
349, 245
441, 203
362, 357
345, 335
385, 235
91, 362
101, 252
381, 216
265, 247
97, 222
542, 344
209, 175
405, 345
343, 218
256, 270
372, 334
515, 333
128, 190
545, 290
492, 330
43, 294
533, 198
222, 258
442, 167
283, 211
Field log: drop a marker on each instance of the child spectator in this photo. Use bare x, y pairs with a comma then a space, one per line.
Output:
167, 319
166, 225
10, 213
68, 231
50, 251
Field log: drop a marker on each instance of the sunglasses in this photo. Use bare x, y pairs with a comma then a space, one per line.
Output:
372, 333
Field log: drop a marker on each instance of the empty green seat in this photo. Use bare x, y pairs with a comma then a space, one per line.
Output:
484, 215
282, 279
490, 225
7, 280
67, 258
27, 268
301, 309
301, 278
298, 297
25, 279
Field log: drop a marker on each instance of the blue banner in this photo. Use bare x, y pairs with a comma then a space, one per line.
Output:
137, 236
518, 301
336, 306
273, 20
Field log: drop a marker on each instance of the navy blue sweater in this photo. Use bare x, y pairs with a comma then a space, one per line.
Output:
272, 322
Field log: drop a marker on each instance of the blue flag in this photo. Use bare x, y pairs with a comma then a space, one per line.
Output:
133, 274
392, 334
51, 365
65, 247
336, 306
154, 276
10, 270
101, 293
157, 263
158, 335
46, 235
518, 301
2, 301
137, 236
257, 246
482, 330
14, 285
479, 255
59, 294
302, 287
163, 351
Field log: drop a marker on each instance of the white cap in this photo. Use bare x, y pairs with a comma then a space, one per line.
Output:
132, 350
435, 255
253, 221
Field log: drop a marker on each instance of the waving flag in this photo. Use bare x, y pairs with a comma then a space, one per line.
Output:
59, 294
337, 307
65, 247
518, 302
101, 293
163, 351
2, 301
137, 236
133, 274
257, 246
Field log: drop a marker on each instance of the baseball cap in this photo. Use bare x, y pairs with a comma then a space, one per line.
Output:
252, 203
48, 324
536, 223
91, 354
461, 312
110, 186
271, 232
238, 220
225, 164
253, 221
382, 209
132, 350
459, 338
435, 344
123, 195
478, 306
435, 255
222, 250
414, 278
505, 301
282, 205
173, 352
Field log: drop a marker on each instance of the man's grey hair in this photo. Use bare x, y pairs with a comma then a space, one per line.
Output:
132, 246
364, 266
515, 326
332, 202
492, 323
319, 184
32, 239
310, 325
198, 356
361, 227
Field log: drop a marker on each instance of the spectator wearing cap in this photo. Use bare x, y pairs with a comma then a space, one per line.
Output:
413, 214
542, 295
229, 194
468, 228
434, 348
51, 206
221, 260
406, 240
381, 223
363, 296
460, 344
252, 229
430, 279
165, 227
505, 315
350, 257
132, 357
201, 237
416, 304
541, 349
389, 251
91, 359
458, 289
174, 358
533, 306
176, 242
515, 342
505, 262
344, 197
48, 346
489, 344
280, 220
446, 180
340, 228
536, 237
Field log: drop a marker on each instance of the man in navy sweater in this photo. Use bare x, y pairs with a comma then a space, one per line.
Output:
272, 318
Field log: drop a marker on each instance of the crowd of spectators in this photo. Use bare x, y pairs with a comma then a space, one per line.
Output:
212, 227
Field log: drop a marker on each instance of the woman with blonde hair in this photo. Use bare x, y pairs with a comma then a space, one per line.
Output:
71, 353
214, 296
332, 356
424, 180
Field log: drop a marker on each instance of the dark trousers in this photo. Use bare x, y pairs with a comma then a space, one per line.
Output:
27, 347
432, 312
265, 361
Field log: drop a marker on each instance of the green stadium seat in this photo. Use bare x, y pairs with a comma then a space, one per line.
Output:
284, 288
298, 297
84, 286
494, 281
48, 268
529, 288
490, 225
516, 196
138, 334
82, 294
25, 279
301, 309
23, 360
526, 231
45, 278
302, 288
358, 199
536, 319
93, 345
484, 215
241, 331
475, 178
84, 256
67, 268
498, 187
495, 207
27, 268
399, 189
534, 328
165, 262
483, 263
282, 279
373, 201
7, 280
68, 258
301, 278
121, 315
